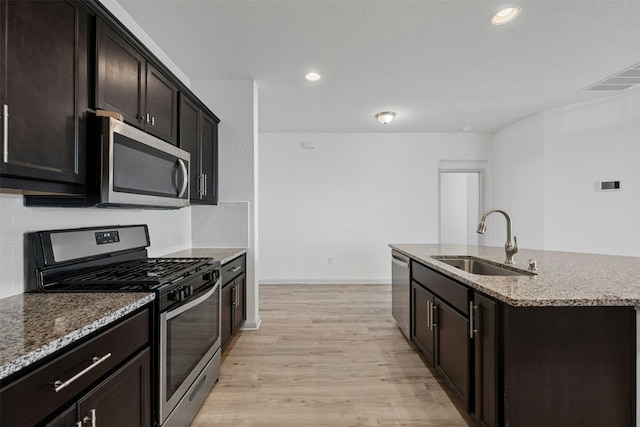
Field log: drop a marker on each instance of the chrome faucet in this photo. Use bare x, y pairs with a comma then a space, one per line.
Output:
511, 247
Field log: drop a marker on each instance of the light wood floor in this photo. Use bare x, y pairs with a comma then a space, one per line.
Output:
326, 355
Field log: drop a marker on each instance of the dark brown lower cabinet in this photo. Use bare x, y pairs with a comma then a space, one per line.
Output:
421, 329
485, 352
452, 348
106, 376
234, 307
123, 399
527, 366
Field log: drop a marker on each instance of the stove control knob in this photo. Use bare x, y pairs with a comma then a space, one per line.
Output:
174, 296
208, 276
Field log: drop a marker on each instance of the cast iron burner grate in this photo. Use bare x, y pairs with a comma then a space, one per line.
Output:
145, 273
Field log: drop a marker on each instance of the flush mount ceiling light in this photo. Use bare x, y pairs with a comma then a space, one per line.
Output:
312, 77
505, 15
385, 117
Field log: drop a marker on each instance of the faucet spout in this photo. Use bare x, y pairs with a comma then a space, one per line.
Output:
511, 246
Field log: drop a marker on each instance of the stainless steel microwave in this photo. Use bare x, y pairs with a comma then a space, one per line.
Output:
138, 169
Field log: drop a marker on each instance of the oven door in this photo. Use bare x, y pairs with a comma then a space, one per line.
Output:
189, 338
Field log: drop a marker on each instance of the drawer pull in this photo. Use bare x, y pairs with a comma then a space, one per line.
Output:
86, 420
59, 385
236, 268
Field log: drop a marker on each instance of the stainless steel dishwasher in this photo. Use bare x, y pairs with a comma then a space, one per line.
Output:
401, 291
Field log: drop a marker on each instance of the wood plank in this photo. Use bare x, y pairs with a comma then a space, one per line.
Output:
326, 355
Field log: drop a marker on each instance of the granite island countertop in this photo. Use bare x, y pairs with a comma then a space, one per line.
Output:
35, 325
562, 279
224, 255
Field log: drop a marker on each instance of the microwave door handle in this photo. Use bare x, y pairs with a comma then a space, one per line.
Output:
185, 178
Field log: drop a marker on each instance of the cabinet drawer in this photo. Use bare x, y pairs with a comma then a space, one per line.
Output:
33, 397
233, 269
448, 290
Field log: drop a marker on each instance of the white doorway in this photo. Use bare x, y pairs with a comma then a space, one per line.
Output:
460, 205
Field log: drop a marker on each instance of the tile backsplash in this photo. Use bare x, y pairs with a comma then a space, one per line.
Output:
225, 225
169, 231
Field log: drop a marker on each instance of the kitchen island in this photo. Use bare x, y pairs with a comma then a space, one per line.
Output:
557, 347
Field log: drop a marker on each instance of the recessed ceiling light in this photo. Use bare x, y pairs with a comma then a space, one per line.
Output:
385, 117
313, 77
505, 15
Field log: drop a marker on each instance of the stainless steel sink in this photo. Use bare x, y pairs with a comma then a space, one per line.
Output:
480, 267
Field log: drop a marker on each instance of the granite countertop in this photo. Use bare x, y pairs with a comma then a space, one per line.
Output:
36, 325
224, 255
563, 279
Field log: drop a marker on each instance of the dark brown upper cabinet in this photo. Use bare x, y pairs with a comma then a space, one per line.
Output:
43, 94
199, 136
129, 84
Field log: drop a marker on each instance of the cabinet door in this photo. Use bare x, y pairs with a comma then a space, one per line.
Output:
161, 106
239, 308
123, 399
189, 141
43, 91
68, 418
486, 360
421, 318
452, 348
227, 322
121, 76
209, 161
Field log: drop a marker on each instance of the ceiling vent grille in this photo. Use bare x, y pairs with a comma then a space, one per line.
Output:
620, 81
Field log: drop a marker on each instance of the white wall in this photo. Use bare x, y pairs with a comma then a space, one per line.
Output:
348, 198
235, 219
518, 184
546, 170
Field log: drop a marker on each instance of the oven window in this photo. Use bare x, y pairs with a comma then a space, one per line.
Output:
189, 336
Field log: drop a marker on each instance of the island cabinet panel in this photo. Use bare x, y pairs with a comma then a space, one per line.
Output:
43, 95
485, 351
440, 325
452, 348
569, 366
422, 328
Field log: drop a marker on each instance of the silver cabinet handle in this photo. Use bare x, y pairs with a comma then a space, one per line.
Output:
234, 269
5, 133
433, 316
148, 118
234, 291
92, 419
472, 328
185, 178
204, 187
59, 385
237, 297
153, 121
428, 314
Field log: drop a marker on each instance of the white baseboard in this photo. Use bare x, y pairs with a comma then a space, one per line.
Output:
324, 282
251, 326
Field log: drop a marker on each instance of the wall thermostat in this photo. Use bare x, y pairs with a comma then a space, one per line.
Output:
609, 185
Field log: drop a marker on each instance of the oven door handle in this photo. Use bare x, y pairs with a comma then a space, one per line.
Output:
188, 306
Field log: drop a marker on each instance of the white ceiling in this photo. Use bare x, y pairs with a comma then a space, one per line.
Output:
440, 65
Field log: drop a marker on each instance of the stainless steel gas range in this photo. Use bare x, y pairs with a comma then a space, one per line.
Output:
186, 360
